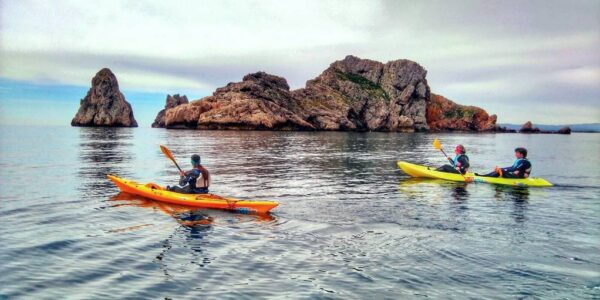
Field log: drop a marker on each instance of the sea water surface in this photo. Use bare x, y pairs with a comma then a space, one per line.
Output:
349, 224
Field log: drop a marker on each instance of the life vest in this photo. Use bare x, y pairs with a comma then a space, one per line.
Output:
204, 180
455, 160
463, 169
527, 171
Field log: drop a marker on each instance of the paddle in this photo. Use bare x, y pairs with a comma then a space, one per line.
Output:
169, 155
438, 145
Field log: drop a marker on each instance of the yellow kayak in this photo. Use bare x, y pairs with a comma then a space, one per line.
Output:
158, 193
429, 172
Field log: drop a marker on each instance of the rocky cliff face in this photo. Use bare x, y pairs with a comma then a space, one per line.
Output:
104, 104
261, 101
444, 115
365, 95
352, 94
172, 101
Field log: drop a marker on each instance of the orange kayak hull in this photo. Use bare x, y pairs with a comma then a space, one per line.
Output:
159, 193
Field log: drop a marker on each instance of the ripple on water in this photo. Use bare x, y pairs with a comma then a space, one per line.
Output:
349, 224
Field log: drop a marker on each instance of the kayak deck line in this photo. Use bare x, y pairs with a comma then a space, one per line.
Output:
159, 193
415, 170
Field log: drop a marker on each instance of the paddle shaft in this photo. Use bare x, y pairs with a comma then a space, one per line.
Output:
446, 155
180, 170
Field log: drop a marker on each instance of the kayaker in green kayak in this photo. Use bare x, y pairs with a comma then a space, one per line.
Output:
460, 163
194, 181
521, 168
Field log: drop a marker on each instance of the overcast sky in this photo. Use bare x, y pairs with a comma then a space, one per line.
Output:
523, 60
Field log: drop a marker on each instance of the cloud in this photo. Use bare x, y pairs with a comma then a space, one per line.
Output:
189, 29
505, 52
584, 76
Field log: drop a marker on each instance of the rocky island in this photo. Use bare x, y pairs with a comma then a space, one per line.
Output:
529, 128
104, 105
352, 94
172, 101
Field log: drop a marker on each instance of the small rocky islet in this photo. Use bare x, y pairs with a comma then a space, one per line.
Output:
353, 94
104, 105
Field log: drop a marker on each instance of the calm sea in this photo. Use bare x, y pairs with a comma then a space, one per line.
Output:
349, 224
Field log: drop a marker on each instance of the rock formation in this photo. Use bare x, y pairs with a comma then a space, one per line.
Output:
365, 95
564, 130
172, 101
528, 128
443, 114
104, 104
352, 94
261, 101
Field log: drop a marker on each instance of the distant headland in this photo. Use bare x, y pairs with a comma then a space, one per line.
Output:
353, 94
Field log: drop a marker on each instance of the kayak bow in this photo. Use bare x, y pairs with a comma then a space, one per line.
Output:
428, 172
158, 193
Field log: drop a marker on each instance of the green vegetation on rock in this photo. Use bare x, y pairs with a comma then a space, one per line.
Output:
459, 113
374, 90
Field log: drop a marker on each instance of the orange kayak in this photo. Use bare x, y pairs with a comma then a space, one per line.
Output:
158, 193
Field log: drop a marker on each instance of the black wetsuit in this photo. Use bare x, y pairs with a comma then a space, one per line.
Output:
188, 182
522, 165
461, 161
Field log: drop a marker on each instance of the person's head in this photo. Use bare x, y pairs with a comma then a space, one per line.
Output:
195, 160
460, 149
520, 152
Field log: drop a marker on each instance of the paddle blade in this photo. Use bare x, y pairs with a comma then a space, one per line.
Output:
436, 144
167, 152
169, 155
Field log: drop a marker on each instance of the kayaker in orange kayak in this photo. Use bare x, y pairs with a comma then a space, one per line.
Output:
521, 168
194, 181
460, 163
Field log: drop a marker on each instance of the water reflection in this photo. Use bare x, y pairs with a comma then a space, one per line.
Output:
103, 151
519, 196
196, 226
460, 193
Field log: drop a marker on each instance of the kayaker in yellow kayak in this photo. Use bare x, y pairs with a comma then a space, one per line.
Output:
521, 168
460, 163
194, 181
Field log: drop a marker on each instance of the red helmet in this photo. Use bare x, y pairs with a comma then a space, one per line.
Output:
460, 149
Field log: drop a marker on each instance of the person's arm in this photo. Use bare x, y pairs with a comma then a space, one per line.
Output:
464, 162
458, 166
509, 169
514, 169
183, 179
522, 167
186, 177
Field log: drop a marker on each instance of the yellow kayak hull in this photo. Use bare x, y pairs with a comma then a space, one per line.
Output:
158, 193
429, 172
